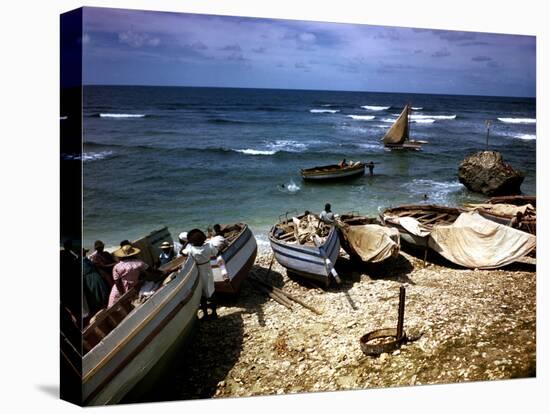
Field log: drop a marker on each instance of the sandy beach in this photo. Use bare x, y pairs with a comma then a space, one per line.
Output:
466, 325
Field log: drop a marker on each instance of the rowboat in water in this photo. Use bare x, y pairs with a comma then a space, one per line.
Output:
334, 172
365, 240
235, 259
313, 259
415, 222
127, 345
397, 136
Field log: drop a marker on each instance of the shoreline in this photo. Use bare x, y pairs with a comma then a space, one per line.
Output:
475, 325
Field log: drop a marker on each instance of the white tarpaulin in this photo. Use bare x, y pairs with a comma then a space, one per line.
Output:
410, 224
503, 209
372, 242
475, 242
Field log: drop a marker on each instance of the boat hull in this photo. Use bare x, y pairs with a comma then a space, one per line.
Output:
308, 261
131, 351
239, 259
333, 173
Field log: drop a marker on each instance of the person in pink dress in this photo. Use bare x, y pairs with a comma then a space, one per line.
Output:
127, 272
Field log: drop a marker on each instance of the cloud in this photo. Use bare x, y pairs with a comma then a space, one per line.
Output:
453, 36
198, 45
481, 58
259, 50
417, 51
492, 64
232, 48
307, 38
476, 43
389, 34
137, 40
394, 67
441, 53
86, 39
302, 66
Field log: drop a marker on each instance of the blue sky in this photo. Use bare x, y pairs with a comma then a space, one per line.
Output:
128, 47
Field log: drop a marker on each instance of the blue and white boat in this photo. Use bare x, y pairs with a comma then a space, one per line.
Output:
312, 260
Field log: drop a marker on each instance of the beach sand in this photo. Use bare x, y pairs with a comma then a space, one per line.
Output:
475, 325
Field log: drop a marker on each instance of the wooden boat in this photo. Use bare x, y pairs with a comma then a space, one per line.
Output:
522, 220
397, 137
365, 240
333, 172
311, 260
427, 216
235, 260
129, 343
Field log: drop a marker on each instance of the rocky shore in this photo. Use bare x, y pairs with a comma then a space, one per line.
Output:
467, 325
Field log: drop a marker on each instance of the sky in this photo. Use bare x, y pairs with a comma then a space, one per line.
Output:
129, 47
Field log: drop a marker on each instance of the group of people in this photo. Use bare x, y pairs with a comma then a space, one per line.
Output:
107, 277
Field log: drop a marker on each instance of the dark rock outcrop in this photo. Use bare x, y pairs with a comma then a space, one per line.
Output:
486, 172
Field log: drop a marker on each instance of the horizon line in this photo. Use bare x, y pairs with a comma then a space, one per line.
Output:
300, 89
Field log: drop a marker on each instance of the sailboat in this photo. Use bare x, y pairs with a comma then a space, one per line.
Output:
397, 137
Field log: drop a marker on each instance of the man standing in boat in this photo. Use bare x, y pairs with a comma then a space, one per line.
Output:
327, 216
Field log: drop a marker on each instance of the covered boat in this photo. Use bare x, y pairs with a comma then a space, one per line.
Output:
302, 251
129, 343
235, 259
519, 212
334, 172
416, 221
364, 239
397, 137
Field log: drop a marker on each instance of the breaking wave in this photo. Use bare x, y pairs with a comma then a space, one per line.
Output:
518, 120
88, 156
375, 108
417, 108
323, 111
432, 116
362, 117
250, 151
526, 137
122, 115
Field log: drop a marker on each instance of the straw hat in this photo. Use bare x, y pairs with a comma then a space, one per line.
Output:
165, 245
126, 251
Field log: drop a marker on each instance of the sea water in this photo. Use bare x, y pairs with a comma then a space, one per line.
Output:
192, 157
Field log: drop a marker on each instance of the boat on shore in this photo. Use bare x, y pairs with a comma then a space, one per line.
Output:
235, 259
397, 137
127, 344
314, 259
333, 172
365, 240
416, 221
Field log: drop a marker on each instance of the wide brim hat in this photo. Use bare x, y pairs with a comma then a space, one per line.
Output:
165, 245
126, 251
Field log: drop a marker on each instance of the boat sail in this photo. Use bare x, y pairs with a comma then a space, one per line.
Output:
397, 136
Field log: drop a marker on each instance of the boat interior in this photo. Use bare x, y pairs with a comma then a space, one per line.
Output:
428, 215
332, 167
287, 232
104, 321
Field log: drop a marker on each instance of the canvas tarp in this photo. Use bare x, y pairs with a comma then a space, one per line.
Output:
372, 242
410, 224
475, 242
504, 209
307, 227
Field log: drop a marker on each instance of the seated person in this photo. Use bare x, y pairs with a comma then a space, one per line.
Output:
217, 241
166, 254
327, 216
342, 163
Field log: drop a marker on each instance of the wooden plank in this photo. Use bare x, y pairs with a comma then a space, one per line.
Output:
438, 217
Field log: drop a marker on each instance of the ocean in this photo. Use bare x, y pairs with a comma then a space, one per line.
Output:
192, 157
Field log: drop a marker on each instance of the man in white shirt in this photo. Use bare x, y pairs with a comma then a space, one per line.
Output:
327, 216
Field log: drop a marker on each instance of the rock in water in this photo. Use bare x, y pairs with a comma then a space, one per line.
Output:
485, 172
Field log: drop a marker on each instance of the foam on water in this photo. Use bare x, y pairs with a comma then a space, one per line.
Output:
122, 115
250, 151
423, 121
88, 156
417, 108
375, 108
323, 111
362, 117
526, 137
287, 145
432, 116
438, 192
518, 120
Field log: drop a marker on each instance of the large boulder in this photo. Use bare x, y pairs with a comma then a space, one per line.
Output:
485, 172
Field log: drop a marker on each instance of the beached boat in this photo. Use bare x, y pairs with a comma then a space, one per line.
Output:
235, 260
333, 172
365, 240
415, 222
128, 344
526, 220
397, 137
313, 260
